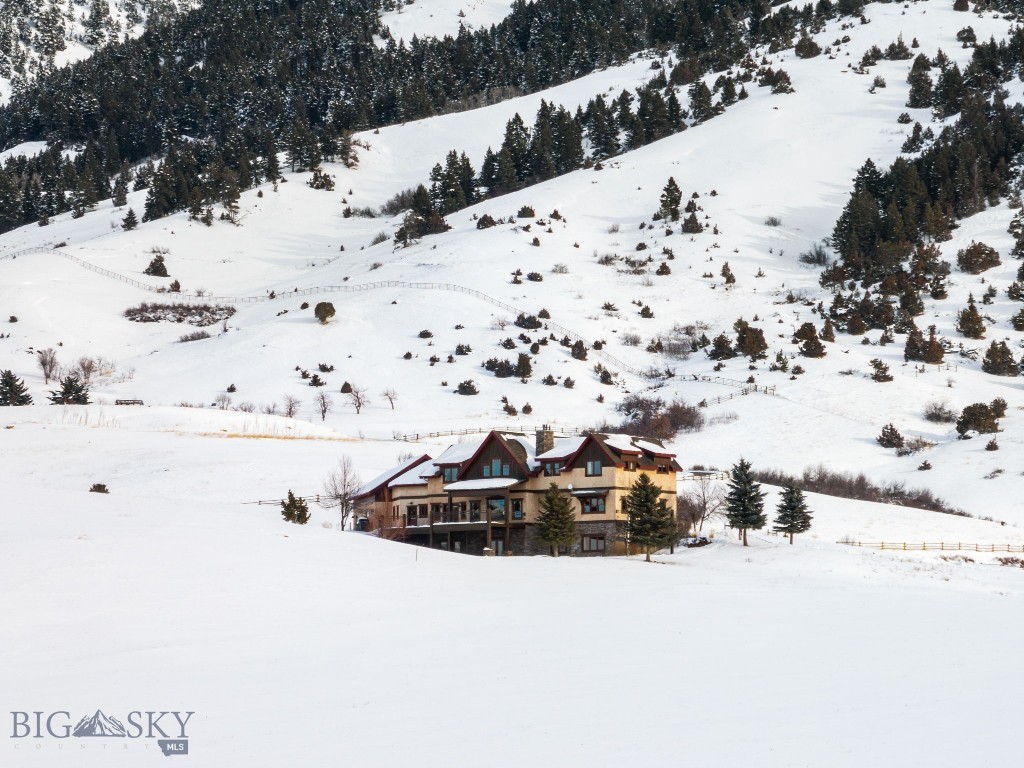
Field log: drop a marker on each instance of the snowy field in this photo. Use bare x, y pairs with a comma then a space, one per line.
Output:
303, 646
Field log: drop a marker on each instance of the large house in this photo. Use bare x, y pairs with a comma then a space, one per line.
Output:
486, 494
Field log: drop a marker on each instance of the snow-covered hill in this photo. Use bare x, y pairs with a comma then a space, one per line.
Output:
788, 156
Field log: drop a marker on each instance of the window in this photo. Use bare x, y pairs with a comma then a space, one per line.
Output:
517, 509
496, 467
663, 468
451, 474
506, 470
593, 505
631, 466
487, 470
552, 468
497, 507
592, 543
593, 468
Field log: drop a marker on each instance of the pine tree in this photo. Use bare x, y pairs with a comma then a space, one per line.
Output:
890, 437
72, 392
880, 371
933, 350
671, 197
120, 196
295, 510
13, 390
649, 524
999, 360
969, 321
793, 514
556, 523
744, 501
130, 221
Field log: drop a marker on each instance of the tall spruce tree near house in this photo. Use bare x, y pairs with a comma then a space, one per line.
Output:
556, 523
744, 500
793, 515
13, 390
72, 392
649, 523
671, 197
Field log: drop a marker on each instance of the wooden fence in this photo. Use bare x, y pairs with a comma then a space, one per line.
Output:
526, 430
936, 546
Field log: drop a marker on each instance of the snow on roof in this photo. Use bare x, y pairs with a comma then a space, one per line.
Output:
528, 445
458, 452
383, 476
564, 448
634, 445
483, 484
413, 476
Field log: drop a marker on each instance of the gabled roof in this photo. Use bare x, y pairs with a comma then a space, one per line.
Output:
385, 478
518, 447
415, 476
564, 448
457, 453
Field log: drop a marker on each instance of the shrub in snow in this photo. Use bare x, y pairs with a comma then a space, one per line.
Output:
977, 257
890, 437
468, 387
295, 510
98, 488
156, 267
526, 212
323, 312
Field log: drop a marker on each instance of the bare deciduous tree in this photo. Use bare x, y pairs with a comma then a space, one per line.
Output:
390, 395
47, 360
269, 410
339, 488
358, 398
702, 501
86, 368
291, 406
222, 401
324, 403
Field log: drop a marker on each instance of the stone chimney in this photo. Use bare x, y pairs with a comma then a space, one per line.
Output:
545, 439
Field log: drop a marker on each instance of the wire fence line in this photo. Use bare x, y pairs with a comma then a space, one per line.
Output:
650, 373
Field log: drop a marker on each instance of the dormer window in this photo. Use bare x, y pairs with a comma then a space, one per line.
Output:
451, 474
552, 468
631, 466
594, 468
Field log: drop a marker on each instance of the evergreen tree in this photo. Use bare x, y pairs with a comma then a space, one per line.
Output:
130, 221
793, 514
999, 360
13, 390
744, 500
120, 196
701, 106
556, 522
72, 392
671, 197
890, 437
650, 524
969, 321
933, 350
295, 510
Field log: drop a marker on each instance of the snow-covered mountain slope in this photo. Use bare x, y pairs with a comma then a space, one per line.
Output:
437, 18
51, 33
304, 645
788, 156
